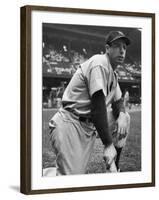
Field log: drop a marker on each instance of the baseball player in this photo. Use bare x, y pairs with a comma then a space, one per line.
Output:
92, 102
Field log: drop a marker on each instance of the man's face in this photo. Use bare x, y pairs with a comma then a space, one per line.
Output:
117, 51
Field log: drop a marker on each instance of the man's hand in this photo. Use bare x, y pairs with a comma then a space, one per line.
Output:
122, 125
109, 155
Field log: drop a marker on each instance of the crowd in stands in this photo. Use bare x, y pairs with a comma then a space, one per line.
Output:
77, 58
54, 56
65, 62
123, 74
128, 71
134, 68
62, 61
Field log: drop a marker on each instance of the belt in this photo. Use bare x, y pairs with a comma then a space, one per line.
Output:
84, 119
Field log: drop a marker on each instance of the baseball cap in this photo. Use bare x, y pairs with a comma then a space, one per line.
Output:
114, 35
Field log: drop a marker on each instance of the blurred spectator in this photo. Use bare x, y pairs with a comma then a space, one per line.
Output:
66, 61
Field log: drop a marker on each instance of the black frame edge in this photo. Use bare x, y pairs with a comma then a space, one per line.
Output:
89, 11
25, 108
153, 100
25, 95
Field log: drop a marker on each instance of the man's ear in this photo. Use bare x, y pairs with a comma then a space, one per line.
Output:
107, 47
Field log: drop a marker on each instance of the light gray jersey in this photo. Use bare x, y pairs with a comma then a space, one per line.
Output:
93, 75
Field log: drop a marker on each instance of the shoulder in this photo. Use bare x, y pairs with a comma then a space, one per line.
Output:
101, 60
97, 62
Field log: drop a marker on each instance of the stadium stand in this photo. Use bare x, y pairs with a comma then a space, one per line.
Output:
67, 48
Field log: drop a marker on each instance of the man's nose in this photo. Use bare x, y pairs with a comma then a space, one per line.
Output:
122, 50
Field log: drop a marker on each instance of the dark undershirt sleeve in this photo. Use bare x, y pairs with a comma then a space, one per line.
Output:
99, 117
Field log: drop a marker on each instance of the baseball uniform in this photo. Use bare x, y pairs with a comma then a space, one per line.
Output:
73, 138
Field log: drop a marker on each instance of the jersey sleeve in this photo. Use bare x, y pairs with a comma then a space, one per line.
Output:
118, 93
97, 80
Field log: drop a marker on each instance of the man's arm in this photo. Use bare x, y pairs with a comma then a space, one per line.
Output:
99, 118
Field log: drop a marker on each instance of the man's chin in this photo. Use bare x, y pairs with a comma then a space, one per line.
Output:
120, 61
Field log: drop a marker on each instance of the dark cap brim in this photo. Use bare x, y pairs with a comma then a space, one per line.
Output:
126, 39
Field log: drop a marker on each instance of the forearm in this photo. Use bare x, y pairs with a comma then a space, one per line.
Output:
99, 117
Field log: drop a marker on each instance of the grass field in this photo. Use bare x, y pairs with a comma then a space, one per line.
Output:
131, 156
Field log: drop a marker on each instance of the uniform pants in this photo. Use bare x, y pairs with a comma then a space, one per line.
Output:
73, 141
